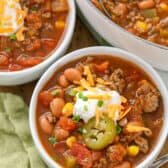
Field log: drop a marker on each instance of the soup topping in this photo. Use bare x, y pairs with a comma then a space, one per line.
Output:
89, 103
99, 113
29, 31
147, 18
12, 17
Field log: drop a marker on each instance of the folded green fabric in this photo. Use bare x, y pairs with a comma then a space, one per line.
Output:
16, 146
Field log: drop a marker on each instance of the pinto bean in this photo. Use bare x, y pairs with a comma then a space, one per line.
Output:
124, 165
146, 4
164, 22
45, 124
60, 134
63, 81
120, 9
72, 74
56, 106
123, 122
28, 61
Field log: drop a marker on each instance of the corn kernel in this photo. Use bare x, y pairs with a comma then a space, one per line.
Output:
70, 141
68, 109
60, 24
123, 99
133, 150
164, 33
78, 89
164, 7
142, 27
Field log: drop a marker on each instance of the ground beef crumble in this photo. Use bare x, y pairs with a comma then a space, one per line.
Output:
117, 80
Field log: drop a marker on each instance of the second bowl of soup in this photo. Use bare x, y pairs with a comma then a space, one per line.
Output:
99, 107
30, 42
132, 26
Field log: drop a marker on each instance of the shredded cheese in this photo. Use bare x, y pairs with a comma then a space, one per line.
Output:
100, 81
78, 89
20, 34
86, 85
11, 17
113, 111
88, 73
99, 97
124, 113
59, 24
133, 128
97, 116
123, 99
103, 82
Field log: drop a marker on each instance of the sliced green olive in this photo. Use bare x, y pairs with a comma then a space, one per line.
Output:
98, 137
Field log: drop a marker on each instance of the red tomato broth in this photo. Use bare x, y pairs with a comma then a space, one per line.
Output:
132, 73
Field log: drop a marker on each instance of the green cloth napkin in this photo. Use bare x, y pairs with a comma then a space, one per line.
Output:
16, 146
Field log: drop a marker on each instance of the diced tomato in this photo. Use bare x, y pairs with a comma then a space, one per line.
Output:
67, 124
15, 67
82, 155
61, 147
4, 59
101, 67
48, 43
45, 98
29, 61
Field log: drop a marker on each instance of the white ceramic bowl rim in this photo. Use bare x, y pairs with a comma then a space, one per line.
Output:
64, 39
98, 51
131, 34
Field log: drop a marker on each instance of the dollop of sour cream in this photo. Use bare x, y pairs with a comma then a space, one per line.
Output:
87, 102
11, 17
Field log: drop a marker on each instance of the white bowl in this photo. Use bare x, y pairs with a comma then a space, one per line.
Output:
155, 54
98, 51
30, 74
